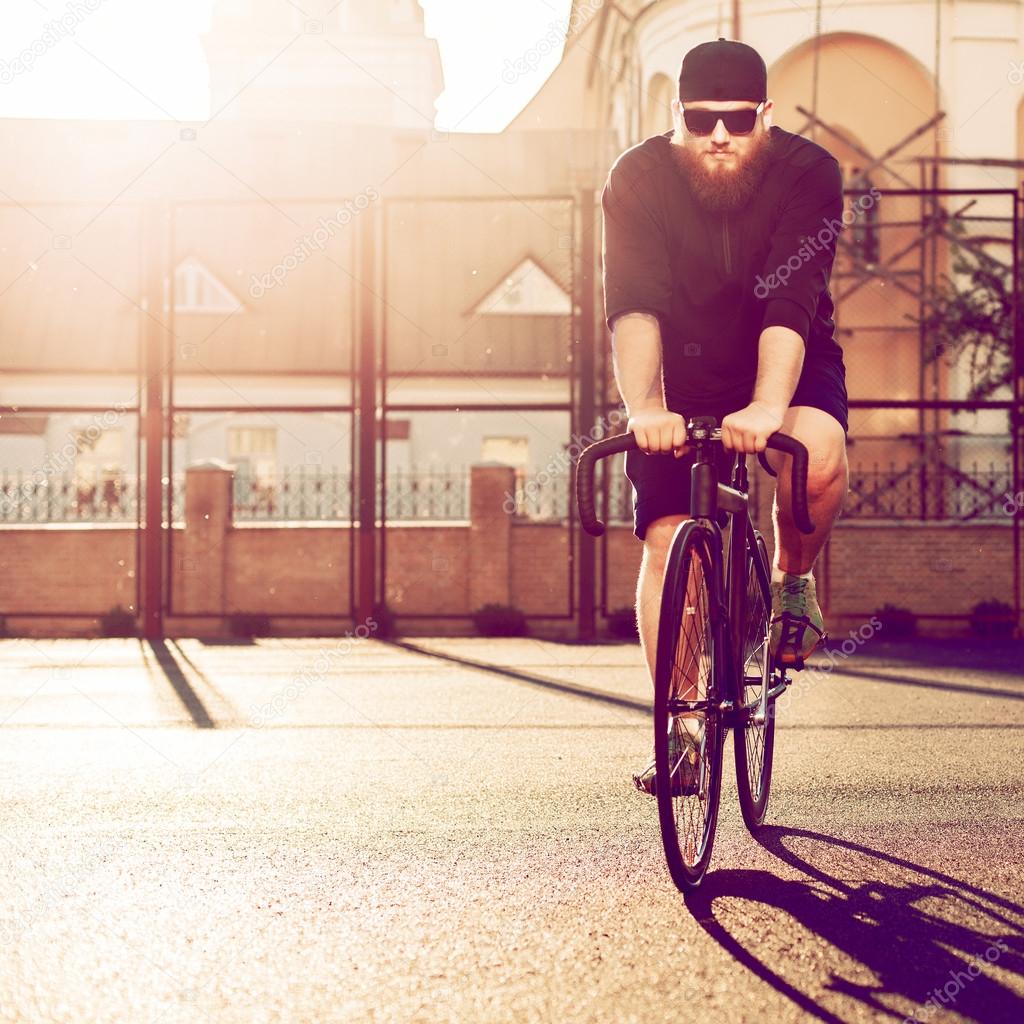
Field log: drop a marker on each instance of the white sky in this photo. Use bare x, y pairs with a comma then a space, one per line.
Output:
143, 58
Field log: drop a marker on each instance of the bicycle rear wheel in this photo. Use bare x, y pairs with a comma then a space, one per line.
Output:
754, 734
688, 741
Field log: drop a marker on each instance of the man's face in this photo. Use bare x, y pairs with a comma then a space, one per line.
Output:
723, 170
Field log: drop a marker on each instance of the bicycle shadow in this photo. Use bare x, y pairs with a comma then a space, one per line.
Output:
923, 934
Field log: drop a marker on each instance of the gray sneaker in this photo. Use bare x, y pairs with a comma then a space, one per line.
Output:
684, 754
797, 626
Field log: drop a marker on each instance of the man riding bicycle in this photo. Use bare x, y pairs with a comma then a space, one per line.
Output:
718, 242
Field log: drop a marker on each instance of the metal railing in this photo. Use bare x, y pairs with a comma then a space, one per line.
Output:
433, 495
315, 494
297, 494
28, 498
539, 499
929, 491
921, 490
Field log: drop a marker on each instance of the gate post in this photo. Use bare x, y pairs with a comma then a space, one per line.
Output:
1017, 421
151, 421
586, 408
366, 424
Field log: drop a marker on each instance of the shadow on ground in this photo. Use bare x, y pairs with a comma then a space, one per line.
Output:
976, 653
935, 940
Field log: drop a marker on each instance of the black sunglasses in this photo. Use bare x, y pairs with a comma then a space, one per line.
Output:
737, 122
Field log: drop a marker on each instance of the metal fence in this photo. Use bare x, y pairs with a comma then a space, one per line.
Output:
930, 491
26, 498
920, 490
551, 500
927, 311
927, 303
297, 494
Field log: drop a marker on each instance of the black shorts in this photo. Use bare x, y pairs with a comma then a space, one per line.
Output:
661, 483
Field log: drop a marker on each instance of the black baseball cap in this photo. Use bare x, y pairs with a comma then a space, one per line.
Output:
723, 70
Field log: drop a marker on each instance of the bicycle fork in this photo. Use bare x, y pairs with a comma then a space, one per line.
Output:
733, 579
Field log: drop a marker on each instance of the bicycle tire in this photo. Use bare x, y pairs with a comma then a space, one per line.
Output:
688, 621
754, 738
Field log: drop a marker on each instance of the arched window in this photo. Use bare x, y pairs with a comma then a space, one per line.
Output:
657, 109
862, 234
863, 230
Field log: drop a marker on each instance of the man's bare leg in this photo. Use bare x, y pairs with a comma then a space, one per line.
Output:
795, 552
657, 539
797, 623
827, 482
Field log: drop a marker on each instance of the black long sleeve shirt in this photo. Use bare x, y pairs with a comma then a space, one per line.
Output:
715, 280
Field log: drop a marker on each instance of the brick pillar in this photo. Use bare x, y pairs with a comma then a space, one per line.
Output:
201, 553
490, 534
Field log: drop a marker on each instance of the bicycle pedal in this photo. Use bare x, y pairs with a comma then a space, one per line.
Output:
796, 663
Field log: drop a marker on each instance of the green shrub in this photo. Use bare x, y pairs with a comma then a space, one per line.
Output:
622, 624
499, 620
993, 618
245, 625
118, 622
897, 623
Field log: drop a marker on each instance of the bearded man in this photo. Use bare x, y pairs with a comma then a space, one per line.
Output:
718, 242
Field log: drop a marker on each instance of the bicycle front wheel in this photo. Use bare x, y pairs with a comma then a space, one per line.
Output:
688, 729
754, 735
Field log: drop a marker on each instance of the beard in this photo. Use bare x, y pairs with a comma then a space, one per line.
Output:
722, 189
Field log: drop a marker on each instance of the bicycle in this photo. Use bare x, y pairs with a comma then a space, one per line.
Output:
713, 668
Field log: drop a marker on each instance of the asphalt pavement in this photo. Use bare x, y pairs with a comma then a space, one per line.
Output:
445, 830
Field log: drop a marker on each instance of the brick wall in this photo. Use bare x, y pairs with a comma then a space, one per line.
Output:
540, 568
439, 572
66, 570
940, 570
623, 552
287, 570
427, 569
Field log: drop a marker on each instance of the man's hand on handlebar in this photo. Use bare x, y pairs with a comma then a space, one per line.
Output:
658, 430
748, 430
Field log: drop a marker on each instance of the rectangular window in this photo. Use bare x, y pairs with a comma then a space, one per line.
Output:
100, 456
253, 450
512, 451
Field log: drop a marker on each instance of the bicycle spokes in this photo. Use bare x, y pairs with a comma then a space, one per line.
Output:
756, 679
754, 738
691, 684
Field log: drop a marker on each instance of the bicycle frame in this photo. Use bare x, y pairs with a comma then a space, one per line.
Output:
724, 621
708, 497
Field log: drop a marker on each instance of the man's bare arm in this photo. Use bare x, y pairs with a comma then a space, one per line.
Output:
780, 358
636, 359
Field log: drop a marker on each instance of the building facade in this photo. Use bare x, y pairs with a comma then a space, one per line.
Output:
317, 225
